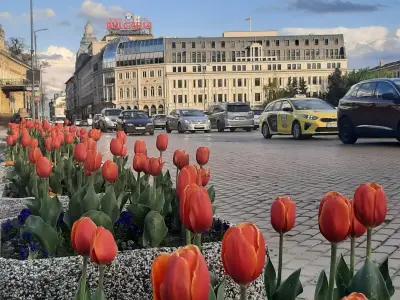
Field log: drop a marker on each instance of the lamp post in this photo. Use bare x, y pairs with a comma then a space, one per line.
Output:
40, 70
33, 110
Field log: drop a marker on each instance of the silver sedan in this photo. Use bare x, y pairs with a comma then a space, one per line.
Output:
184, 120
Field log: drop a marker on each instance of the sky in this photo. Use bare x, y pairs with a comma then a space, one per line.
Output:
371, 28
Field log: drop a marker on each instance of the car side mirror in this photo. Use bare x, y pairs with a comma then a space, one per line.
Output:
287, 109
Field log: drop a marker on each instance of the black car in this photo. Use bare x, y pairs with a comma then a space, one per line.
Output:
370, 108
135, 122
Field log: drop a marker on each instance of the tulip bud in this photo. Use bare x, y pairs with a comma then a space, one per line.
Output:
117, 147
110, 171
187, 175
140, 163
202, 155
181, 159
243, 253
195, 209
283, 214
370, 204
356, 229
103, 249
43, 167
26, 140
70, 138
205, 176
80, 152
334, 217
355, 296
11, 140
182, 275
93, 161
82, 234
155, 166
162, 142
140, 147
121, 135
91, 144
95, 134
34, 155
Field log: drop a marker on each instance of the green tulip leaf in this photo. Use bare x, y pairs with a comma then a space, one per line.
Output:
45, 233
384, 269
74, 206
270, 280
122, 200
109, 204
83, 291
99, 295
321, 290
50, 210
91, 200
343, 277
155, 230
212, 294
369, 281
100, 219
290, 288
139, 213
211, 193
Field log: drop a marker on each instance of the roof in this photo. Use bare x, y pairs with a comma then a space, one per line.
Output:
388, 65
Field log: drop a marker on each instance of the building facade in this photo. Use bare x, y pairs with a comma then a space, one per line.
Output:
161, 74
392, 69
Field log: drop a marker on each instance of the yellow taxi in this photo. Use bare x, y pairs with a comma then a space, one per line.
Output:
300, 117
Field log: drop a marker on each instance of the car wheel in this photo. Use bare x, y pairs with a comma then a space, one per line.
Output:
265, 131
151, 132
248, 129
232, 129
167, 129
180, 129
220, 127
296, 131
206, 131
346, 132
192, 131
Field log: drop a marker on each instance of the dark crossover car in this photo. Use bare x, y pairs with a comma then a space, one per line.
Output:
231, 115
135, 122
184, 120
370, 108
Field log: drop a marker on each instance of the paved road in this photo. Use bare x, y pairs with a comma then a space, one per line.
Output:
250, 172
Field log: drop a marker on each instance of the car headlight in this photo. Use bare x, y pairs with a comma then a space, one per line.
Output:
208, 122
107, 119
310, 117
149, 123
186, 121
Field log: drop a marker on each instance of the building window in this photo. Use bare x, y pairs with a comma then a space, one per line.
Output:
200, 99
144, 74
234, 68
184, 69
151, 73
212, 44
159, 91
257, 82
174, 84
185, 98
180, 98
257, 97
289, 66
336, 41
194, 98
199, 83
296, 42
180, 84
145, 92
120, 76
222, 44
152, 91
286, 42
307, 42
267, 43
316, 42
193, 45
183, 45
174, 98
121, 93
134, 92
159, 73
326, 42
173, 45
277, 43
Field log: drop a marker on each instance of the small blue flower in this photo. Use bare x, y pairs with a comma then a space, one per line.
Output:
7, 226
23, 252
23, 215
34, 246
126, 219
27, 236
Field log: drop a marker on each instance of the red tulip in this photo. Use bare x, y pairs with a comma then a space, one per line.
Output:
46, 125
155, 166
283, 214
110, 171
104, 249
83, 134
162, 142
80, 152
187, 175
334, 217
202, 155
49, 144
370, 204
243, 253
355, 296
11, 140
205, 176
195, 209
93, 161
56, 143
34, 155
91, 144
140, 147
181, 159
69, 138
43, 167
356, 228
34, 143
26, 140
182, 275
140, 163
117, 147
121, 135
95, 134
82, 234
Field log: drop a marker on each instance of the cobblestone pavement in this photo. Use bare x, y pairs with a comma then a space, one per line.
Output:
250, 172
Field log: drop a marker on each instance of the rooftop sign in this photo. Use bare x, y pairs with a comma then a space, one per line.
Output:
129, 25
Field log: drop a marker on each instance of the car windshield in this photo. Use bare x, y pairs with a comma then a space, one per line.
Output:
135, 115
192, 113
112, 112
312, 104
397, 82
161, 117
238, 108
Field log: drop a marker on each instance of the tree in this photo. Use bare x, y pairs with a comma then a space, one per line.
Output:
303, 86
336, 87
272, 91
16, 46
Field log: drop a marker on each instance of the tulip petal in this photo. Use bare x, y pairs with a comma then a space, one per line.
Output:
159, 269
177, 280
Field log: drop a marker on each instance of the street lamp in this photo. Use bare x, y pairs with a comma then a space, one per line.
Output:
33, 112
40, 70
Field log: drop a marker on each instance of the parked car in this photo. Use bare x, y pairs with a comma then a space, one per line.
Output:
187, 120
257, 113
135, 122
370, 108
59, 120
78, 122
231, 115
300, 117
159, 121
95, 122
108, 119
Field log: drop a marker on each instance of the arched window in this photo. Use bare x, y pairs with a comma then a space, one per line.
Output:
152, 91
146, 109
121, 93
153, 110
128, 93
160, 91
128, 107
134, 92
145, 92
135, 107
160, 109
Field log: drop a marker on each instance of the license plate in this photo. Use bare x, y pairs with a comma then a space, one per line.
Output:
140, 128
239, 118
331, 124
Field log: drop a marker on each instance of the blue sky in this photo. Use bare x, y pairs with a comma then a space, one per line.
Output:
371, 28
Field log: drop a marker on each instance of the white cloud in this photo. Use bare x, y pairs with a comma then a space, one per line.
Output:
43, 14
61, 66
96, 11
5, 15
365, 46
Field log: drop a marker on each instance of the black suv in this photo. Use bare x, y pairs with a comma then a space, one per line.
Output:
370, 108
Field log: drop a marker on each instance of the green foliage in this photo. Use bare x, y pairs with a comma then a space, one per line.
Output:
155, 230
321, 290
109, 204
100, 219
343, 278
218, 291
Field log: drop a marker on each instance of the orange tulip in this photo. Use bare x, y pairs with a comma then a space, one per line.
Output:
195, 209
140, 163
91, 144
140, 147
80, 152
356, 228
34, 155
34, 143
103, 249
56, 143
117, 147
43, 167
93, 161
334, 217
11, 140
26, 140
181, 275
187, 175
82, 234
69, 138
110, 171
95, 134
243, 253
202, 155
49, 144
121, 135
181, 159
205, 176
370, 204
155, 166
355, 296
283, 214
162, 142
